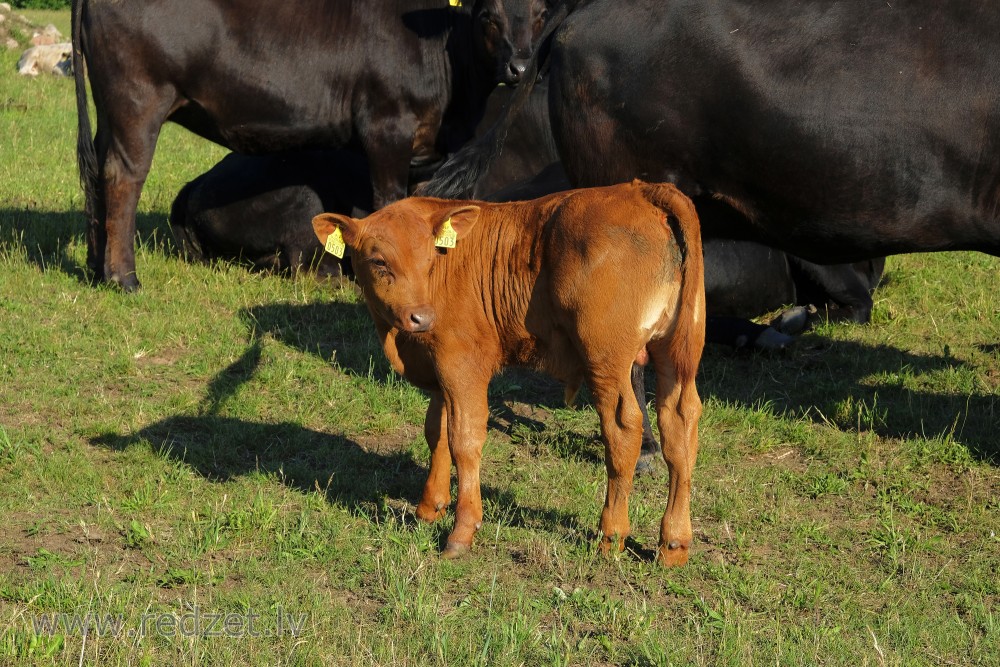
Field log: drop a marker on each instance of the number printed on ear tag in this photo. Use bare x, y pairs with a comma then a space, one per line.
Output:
447, 236
335, 243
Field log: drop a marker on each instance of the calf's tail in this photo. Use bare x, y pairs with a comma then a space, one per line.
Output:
688, 339
86, 154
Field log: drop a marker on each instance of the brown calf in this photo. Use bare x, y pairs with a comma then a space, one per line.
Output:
579, 284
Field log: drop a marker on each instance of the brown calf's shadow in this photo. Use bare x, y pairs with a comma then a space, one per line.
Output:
852, 385
223, 448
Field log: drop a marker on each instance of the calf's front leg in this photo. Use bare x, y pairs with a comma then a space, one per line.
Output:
467, 415
437, 491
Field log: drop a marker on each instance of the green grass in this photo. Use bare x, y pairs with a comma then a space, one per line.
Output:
234, 443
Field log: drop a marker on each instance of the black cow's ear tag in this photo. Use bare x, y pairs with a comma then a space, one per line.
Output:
447, 236
335, 243
455, 3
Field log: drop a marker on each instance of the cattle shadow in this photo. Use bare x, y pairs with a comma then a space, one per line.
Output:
358, 477
343, 333
857, 387
850, 385
44, 238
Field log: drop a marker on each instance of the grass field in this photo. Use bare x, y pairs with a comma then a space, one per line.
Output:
231, 448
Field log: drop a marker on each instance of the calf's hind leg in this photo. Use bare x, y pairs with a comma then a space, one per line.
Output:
621, 431
678, 408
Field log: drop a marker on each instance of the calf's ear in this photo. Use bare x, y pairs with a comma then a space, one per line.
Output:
455, 224
333, 224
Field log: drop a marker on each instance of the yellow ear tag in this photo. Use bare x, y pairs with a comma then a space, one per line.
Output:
335, 243
447, 236
455, 3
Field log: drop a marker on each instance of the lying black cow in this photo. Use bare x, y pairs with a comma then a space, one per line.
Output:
746, 279
402, 80
258, 209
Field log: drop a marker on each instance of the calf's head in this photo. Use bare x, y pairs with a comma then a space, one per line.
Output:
505, 33
395, 251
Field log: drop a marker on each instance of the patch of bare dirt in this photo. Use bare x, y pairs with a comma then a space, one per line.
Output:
387, 443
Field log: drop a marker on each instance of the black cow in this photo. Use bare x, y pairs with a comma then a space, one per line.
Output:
404, 81
260, 210
832, 130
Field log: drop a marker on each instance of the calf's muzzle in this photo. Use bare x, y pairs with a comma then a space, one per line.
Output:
418, 319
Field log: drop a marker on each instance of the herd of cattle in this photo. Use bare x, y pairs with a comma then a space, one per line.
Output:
794, 143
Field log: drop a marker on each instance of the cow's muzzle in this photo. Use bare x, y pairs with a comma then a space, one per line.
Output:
515, 71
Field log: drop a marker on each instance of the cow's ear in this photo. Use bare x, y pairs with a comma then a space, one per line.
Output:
455, 224
335, 231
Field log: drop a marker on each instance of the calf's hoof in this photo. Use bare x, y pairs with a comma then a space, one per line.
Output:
672, 554
431, 512
611, 545
455, 550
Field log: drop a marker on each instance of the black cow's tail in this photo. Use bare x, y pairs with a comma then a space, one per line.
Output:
182, 225
457, 178
86, 154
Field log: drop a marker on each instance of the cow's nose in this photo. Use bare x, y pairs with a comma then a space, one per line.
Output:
419, 319
515, 70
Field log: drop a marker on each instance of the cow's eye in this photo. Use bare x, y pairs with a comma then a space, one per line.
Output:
489, 20
378, 264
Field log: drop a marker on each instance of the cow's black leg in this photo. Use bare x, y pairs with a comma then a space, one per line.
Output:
739, 333
388, 150
649, 454
125, 144
97, 230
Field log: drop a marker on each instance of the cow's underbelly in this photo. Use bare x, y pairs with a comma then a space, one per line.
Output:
266, 133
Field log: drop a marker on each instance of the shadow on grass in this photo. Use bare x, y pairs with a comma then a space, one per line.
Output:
44, 237
343, 333
223, 448
850, 385
858, 387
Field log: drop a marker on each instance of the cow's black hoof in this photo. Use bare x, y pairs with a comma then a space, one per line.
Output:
772, 339
792, 321
128, 284
650, 464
